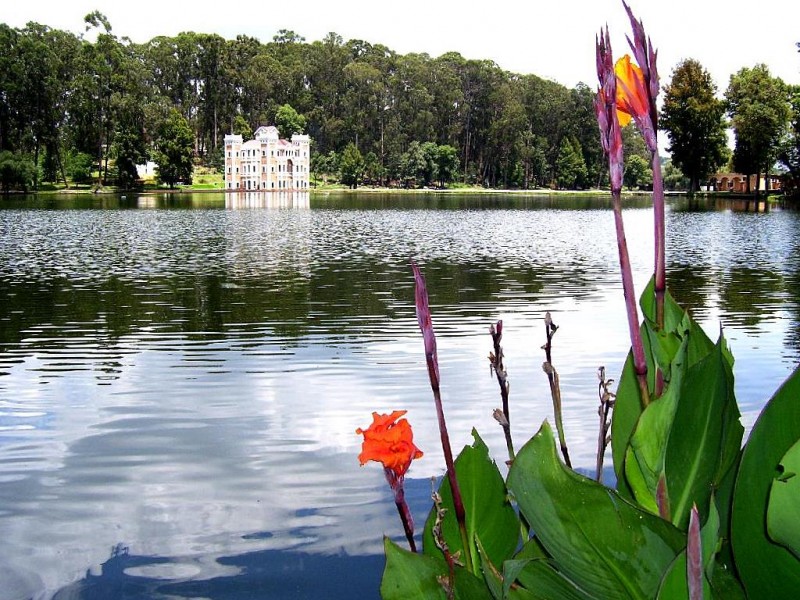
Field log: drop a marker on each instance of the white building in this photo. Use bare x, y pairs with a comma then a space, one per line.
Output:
267, 162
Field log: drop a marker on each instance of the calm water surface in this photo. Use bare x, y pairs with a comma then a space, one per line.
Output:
181, 377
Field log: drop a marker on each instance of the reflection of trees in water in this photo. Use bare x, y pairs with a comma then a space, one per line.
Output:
750, 296
745, 296
709, 204
792, 282
282, 299
691, 287
481, 201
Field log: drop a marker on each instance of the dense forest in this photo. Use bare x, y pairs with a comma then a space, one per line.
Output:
90, 107
96, 102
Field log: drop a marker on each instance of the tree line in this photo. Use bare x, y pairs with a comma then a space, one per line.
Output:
93, 106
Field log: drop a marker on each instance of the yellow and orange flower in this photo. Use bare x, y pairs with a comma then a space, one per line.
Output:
390, 442
632, 97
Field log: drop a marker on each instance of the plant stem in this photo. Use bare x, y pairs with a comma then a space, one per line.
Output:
606, 404
429, 340
555, 388
405, 514
458, 504
496, 360
659, 225
637, 347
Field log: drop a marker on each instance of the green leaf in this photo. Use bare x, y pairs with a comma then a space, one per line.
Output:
627, 409
709, 537
600, 542
495, 581
410, 575
766, 568
661, 346
681, 334
783, 511
534, 571
644, 459
675, 586
725, 585
673, 313
706, 435
723, 500
489, 514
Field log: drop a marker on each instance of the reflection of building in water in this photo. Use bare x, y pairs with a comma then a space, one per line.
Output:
279, 199
267, 162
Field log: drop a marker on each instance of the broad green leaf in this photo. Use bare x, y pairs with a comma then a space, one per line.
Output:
600, 542
783, 511
489, 514
706, 435
627, 409
725, 585
766, 568
673, 313
643, 493
709, 536
661, 348
500, 589
675, 586
723, 500
644, 460
545, 583
410, 575
699, 344
533, 568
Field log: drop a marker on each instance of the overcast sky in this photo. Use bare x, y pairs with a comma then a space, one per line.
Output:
554, 40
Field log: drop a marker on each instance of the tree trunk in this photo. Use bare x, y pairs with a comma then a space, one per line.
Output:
61, 168
36, 167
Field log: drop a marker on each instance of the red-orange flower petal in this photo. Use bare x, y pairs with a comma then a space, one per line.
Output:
389, 442
632, 97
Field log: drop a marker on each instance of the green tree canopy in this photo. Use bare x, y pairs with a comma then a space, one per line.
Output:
693, 118
174, 150
759, 108
289, 121
242, 127
789, 155
571, 170
446, 164
351, 166
638, 172
106, 97
16, 171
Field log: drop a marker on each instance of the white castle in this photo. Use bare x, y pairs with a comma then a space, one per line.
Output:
267, 162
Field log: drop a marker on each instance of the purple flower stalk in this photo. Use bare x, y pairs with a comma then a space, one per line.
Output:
429, 339
396, 483
605, 105
647, 122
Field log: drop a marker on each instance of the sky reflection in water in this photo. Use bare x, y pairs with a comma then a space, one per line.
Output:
180, 384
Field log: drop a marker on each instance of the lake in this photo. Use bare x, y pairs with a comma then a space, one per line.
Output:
181, 375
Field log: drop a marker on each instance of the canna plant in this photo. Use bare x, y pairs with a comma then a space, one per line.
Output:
695, 513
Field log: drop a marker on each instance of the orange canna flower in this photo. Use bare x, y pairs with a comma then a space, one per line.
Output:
390, 442
632, 97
